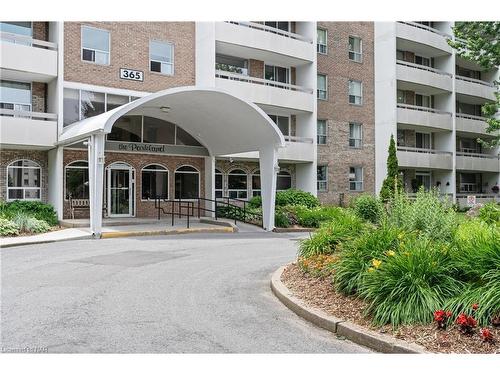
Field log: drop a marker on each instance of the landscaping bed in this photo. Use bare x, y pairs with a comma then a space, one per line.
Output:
25, 218
317, 291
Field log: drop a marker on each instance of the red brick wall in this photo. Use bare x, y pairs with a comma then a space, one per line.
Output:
41, 31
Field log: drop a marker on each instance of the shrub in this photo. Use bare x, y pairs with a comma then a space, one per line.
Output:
356, 256
8, 228
292, 197
330, 234
490, 213
30, 224
392, 183
281, 219
38, 210
312, 218
255, 202
409, 286
368, 208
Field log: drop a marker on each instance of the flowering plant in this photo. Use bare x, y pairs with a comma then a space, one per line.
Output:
441, 318
466, 323
486, 335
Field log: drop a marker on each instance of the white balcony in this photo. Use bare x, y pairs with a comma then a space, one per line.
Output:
480, 198
27, 59
424, 116
475, 87
412, 157
261, 42
424, 35
27, 129
469, 161
424, 75
266, 92
471, 124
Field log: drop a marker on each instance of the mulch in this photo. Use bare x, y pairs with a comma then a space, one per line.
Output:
318, 292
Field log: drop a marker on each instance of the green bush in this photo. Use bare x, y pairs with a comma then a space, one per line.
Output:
292, 197
8, 228
36, 209
369, 208
490, 213
312, 218
356, 256
255, 202
29, 224
281, 219
330, 234
408, 287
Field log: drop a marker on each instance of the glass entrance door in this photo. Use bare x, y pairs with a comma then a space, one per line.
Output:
120, 191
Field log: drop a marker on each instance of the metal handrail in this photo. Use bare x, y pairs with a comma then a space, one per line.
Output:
28, 114
423, 67
423, 109
188, 204
474, 80
243, 78
423, 150
5, 36
269, 29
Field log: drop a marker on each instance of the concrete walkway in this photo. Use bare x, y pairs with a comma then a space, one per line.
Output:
55, 236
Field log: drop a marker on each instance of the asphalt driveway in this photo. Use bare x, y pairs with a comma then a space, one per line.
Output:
167, 294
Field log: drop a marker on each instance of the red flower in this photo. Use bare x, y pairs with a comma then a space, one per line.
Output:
461, 319
466, 323
441, 318
475, 306
486, 335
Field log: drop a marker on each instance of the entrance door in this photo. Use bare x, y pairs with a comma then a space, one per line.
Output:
120, 190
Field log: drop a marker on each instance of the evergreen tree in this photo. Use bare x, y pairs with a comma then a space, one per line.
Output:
392, 181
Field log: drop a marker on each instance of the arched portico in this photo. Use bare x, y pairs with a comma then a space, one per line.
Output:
221, 122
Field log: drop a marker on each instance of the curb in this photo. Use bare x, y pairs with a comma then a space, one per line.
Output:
221, 223
353, 332
165, 232
84, 237
294, 230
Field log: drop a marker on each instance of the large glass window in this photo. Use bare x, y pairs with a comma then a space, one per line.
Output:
423, 179
71, 106
15, 95
158, 131
281, 25
321, 45
423, 100
237, 184
277, 74
356, 178
231, 64
161, 57
322, 177
321, 132
283, 181
187, 183
182, 137
218, 184
256, 184
355, 49
282, 122
126, 129
16, 28
322, 87
24, 180
95, 45
114, 101
423, 140
355, 135
92, 103
355, 92
154, 181
77, 180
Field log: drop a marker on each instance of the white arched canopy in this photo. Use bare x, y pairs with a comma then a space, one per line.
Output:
222, 122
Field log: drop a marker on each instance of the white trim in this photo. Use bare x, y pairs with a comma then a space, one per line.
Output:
326, 41
360, 53
355, 96
360, 139
357, 181
90, 49
322, 135
21, 187
326, 87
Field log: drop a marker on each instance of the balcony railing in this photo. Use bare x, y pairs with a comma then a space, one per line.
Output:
471, 153
424, 27
26, 40
260, 81
473, 80
28, 114
423, 67
269, 29
291, 138
471, 117
423, 109
423, 150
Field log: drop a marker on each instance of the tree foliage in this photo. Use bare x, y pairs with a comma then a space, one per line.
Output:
392, 182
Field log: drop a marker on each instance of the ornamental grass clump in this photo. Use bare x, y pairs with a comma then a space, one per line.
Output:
369, 208
408, 287
29, 224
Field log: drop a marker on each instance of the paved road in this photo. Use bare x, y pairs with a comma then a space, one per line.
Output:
197, 293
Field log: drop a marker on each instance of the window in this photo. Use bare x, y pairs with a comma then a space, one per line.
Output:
114, 101
282, 122
423, 179
91, 104
322, 177
321, 45
283, 181
158, 131
355, 135
237, 184
401, 135
277, 74
15, 95
420, 60
423, 140
95, 45
281, 25
321, 132
400, 55
126, 129
423, 100
154, 182
17, 28
469, 182
24, 180
401, 97
356, 178
182, 137
322, 87
218, 184
355, 92
231, 64
355, 49
77, 180
256, 183
187, 183
71, 106
161, 57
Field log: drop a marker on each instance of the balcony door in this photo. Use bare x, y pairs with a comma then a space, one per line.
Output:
423, 140
277, 73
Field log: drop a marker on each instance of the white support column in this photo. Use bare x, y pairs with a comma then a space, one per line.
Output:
56, 178
209, 185
268, 160
96, 177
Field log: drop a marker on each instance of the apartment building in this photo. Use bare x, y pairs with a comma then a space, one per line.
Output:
431, 99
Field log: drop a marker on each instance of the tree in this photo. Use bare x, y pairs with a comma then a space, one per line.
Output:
392, 182
480, 42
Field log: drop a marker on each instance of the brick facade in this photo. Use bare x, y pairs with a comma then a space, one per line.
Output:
9, 156
41, 31
38, 96
130, 49
337, 154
